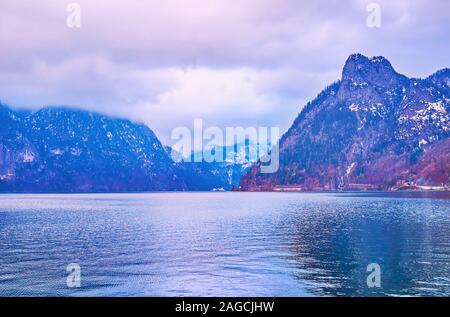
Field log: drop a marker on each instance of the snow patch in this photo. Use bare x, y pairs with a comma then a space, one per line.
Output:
57, 151
28, 156
353, 107
422, 142
350, 168
7, 176
75, 151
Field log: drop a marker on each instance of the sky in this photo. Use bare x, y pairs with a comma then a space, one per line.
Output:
231, 63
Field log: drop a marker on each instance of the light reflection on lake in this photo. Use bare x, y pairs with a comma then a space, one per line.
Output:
225, 244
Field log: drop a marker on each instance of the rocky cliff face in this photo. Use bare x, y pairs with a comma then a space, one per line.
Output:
66, 150
373, 129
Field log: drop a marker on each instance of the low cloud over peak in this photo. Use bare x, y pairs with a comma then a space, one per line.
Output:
167, 62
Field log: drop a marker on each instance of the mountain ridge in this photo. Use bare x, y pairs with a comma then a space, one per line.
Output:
374, 128
367, 130
67, 149
62, 149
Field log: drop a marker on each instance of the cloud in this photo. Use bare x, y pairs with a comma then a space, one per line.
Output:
168, 61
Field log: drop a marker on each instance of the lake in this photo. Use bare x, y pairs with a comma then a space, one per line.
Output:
225, 244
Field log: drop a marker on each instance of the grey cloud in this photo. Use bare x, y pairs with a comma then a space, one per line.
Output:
176, 59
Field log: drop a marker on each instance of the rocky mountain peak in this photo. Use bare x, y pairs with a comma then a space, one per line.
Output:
379, 130
362, 70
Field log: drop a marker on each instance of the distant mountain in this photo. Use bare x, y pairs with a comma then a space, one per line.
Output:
226, 175
67, 150
373, 129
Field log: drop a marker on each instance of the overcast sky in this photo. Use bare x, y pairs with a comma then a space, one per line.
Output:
231, 63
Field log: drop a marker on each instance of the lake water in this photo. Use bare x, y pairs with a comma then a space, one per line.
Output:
225, 244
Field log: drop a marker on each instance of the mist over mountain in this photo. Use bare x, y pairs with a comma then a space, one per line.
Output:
372, 129
225, 174
68, 150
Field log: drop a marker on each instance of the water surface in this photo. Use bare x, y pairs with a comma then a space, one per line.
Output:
225, 244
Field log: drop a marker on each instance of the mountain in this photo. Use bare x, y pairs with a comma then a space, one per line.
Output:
67, 150
373, 129
226, 175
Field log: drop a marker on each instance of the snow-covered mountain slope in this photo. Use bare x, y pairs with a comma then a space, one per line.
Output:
373, 129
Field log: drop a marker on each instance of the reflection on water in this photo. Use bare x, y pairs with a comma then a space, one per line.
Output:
225, 244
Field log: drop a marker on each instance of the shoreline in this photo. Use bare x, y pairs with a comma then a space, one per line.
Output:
426, 189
